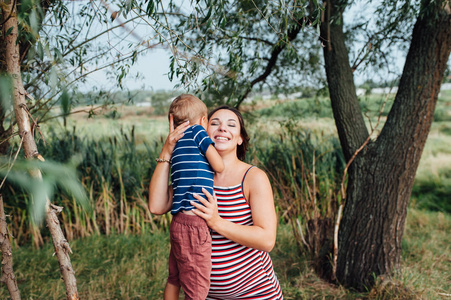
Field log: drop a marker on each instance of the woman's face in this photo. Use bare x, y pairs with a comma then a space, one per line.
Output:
224, 129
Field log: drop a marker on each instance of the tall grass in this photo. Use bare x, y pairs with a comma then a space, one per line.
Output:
301, 156
305, 169
115, 176
135, 266
115, 172
305, 166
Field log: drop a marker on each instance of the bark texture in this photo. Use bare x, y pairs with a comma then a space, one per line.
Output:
380, 179
12, 57
4, 133
8, 277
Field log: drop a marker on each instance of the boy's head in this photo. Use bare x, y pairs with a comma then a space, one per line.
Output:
188, 107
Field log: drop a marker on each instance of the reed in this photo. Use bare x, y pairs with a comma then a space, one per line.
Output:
115, 176
301, 156
305, 169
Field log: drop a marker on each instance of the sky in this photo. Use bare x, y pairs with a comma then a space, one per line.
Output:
153, 67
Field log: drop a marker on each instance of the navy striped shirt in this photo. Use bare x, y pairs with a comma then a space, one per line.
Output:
190, 170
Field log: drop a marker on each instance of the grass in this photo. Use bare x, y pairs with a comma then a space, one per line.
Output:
135, 266
147, 126
427, 254
118, 148
107, 267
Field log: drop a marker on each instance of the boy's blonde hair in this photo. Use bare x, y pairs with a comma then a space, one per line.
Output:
187, 107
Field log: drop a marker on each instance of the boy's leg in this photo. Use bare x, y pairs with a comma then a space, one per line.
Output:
195, 270
171, 292
172, 288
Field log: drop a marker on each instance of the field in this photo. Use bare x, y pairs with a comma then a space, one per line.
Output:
120, 250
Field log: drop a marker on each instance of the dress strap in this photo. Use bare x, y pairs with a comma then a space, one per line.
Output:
244, 177
242, 183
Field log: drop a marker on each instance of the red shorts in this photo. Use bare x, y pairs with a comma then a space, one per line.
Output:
190, 256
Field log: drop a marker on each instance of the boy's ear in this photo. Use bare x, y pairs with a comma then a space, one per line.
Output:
204, 121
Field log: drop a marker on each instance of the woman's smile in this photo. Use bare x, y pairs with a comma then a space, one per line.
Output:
223, 128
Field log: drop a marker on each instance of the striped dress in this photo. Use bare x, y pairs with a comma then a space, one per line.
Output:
239, 272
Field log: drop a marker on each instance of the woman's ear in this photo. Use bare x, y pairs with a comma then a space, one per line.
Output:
240, 141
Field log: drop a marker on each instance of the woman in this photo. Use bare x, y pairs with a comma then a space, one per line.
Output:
241, 214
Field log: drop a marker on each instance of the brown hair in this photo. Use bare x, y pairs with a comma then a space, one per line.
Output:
187, 107
241, 149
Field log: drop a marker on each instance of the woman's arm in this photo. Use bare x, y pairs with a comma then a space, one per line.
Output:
261, 235
160, 192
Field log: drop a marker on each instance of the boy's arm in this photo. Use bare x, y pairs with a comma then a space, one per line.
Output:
214, 159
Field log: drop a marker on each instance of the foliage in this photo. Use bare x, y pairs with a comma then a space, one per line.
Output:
297, 110
62, 43
161, 101
224, 49
55, 176
219, 48
305, 169
113, 267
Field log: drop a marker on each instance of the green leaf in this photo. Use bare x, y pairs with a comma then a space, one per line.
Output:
40, 50
150, 8
58, 55
53, 174
53, 78
34, 21
47, 50
65, 101
40, 191
10, 29
5, 92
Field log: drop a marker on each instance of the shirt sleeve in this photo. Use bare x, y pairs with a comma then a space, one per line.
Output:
202, 139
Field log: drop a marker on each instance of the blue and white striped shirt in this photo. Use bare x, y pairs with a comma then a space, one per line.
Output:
190, 170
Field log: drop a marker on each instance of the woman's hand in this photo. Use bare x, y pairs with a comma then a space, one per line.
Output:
173, 136
261, 234
209, 210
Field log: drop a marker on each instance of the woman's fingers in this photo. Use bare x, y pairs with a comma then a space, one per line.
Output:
177, 133
204, 203
207, 208
171, 123
179, 130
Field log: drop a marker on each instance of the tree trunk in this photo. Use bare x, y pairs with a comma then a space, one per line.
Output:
348, 116
7, 261
380, 179
12, 56
4, 133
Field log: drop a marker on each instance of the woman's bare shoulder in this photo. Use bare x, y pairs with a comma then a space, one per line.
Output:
256, 176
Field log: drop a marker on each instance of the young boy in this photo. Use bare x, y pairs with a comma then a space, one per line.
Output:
193, 163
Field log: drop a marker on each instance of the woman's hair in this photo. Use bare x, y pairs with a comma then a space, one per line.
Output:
187, 107
241, 149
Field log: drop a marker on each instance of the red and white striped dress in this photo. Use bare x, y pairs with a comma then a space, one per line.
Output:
239, 272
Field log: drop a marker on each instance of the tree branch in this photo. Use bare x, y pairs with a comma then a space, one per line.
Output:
280, 46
